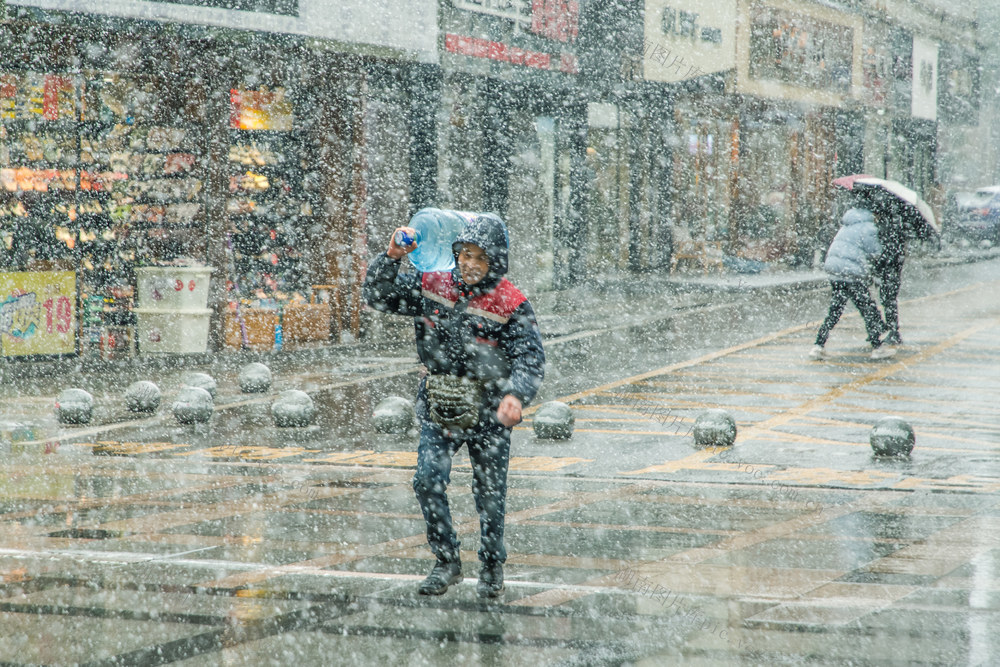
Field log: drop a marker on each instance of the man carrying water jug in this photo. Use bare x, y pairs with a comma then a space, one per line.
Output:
477, 336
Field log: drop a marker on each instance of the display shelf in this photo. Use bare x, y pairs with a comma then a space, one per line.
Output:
266, 210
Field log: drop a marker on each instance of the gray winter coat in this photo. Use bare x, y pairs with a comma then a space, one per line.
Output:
855, 247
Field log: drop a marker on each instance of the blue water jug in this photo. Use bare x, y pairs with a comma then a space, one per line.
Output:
436, 230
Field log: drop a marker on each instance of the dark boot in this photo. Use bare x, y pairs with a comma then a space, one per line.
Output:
444, 574
893, 339
490, 580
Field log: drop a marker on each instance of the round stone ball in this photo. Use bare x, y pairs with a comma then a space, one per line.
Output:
193, 405
74, 406
714, 428
891, 436
293, 408
142, 396
202, 381
553, 421
393, 414
255, 378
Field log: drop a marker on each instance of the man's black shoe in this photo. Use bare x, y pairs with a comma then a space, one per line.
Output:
444, 574
490, 580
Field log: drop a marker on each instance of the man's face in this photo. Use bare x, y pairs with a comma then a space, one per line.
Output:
472, 263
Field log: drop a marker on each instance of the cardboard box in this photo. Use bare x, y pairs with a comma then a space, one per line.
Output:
306, 322
172, 331
260, 324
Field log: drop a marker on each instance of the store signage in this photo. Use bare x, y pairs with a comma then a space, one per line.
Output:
553, 19
37, 313
409, 27
483, 48
923, 102
801, 50
286, 7
518, 11
684, 39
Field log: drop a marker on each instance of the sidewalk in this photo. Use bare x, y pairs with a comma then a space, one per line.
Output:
28, 388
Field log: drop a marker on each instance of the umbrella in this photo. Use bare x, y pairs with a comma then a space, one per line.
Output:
916, 213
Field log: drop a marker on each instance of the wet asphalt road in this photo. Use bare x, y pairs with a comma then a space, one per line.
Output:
241, 543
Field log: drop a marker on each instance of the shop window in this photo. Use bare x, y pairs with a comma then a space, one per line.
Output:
96, 181
269, 209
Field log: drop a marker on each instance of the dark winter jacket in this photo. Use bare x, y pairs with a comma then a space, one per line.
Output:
892, 236
486, 331
855, 247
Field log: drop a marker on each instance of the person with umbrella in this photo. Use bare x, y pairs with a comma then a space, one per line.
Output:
850, 264
899, 214
889, 265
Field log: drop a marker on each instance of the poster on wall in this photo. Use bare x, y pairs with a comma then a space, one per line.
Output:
37, 313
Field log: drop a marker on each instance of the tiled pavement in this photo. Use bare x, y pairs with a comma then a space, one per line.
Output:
236, 544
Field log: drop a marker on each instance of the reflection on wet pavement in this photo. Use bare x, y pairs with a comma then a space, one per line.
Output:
238, 542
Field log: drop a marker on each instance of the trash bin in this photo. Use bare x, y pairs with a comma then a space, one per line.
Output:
172, 287
172, 314
162, 331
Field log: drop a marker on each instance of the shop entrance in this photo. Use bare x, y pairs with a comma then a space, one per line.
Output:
538, 198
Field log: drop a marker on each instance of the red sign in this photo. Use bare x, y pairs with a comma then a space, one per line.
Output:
555, 19
483, 48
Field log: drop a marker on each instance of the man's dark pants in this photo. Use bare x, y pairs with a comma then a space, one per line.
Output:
489, 450
858, 293
891, 276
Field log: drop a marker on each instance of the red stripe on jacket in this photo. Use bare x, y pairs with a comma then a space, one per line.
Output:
502, 300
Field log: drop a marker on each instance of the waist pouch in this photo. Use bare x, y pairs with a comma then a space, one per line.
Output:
453, 402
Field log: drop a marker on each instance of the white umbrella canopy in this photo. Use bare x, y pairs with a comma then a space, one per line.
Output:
918, 215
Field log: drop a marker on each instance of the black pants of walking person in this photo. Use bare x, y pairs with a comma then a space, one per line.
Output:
858, 293
888, 294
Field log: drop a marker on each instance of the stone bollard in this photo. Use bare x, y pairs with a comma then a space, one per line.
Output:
193, 405
74, 406
393, 414
255, 378
142, 396
202, 381
293, 408
714, 428
553, 421
891, 436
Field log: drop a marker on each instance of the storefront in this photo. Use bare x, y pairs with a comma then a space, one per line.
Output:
509, 136
799, 75
129, 152
689, 50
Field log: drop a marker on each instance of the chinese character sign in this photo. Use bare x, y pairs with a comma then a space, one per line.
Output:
925, 62
37, 313
685, 39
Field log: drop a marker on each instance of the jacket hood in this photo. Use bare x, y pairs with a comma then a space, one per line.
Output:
855, 216
488, 231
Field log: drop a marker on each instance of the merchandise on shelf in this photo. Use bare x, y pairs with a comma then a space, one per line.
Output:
269, 205
93, 179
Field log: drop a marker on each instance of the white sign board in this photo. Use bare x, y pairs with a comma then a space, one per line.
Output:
409, 26
925, 75
684, 39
